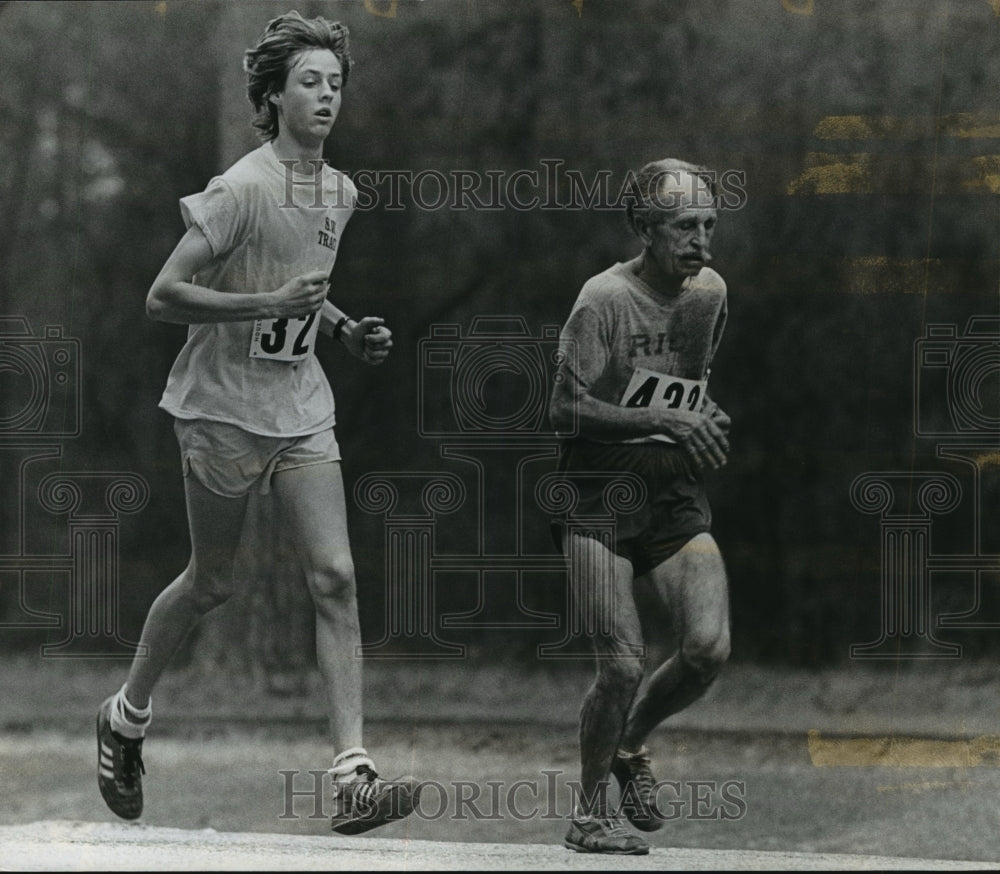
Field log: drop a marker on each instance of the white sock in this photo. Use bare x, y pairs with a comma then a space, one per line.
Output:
128, 720
346, 764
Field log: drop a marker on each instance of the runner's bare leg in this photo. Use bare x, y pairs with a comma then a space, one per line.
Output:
311, 500
215, 525
601, 583
692, 584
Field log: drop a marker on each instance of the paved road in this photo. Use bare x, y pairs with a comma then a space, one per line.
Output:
757, 800
79, 846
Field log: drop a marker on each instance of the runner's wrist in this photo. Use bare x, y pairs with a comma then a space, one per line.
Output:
665, 422
268, 302
343, 330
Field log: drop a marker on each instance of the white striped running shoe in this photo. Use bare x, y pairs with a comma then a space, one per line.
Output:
119, 767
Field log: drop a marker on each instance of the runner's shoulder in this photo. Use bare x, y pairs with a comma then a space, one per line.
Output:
245, 175
604, 286
247, 170
709, 280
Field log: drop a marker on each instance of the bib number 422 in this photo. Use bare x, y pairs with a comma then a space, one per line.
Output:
658, 390
284, 339
650, 389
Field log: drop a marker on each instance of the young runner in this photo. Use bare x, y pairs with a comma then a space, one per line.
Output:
253, 409
638, 346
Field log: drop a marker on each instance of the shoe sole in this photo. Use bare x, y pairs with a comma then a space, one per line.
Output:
109, 801
397, 805
577, 848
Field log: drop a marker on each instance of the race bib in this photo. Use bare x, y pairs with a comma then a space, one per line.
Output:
284, 339
650, 389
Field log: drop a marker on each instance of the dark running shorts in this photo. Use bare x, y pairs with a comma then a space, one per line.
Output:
675, 509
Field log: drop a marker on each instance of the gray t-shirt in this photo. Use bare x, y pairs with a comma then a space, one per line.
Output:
626, 344
264, 226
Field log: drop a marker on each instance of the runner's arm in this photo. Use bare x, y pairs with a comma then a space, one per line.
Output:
574, 409
701, 435
370, 340
174, 298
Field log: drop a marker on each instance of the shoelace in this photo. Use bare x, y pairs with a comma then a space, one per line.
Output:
642, 776
132, 764
363, 790
613, 826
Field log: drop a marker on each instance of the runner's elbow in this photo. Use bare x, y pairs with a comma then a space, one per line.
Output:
153, 308
561, 415
158, 303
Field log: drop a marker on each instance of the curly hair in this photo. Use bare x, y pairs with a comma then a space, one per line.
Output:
268, 63
650, 178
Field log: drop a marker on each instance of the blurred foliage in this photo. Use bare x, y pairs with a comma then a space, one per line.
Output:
111, 115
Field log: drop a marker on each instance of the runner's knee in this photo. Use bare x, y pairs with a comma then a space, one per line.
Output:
706, 656
333, 582
208, 591
622, 671
208, 582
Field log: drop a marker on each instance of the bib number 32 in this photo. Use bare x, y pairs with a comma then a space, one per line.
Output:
284, 339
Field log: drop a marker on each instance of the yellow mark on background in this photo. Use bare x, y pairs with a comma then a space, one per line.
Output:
903, 752
869, 127
578, 5
988, 460
882, 172
975, 125
161, 8
382, 12
833, 174
996, 7
988, 168
803, 7
877, 274
965, 125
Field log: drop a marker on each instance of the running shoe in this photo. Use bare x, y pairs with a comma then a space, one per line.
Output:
370, 801
638, 789
119, 767
603, 833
